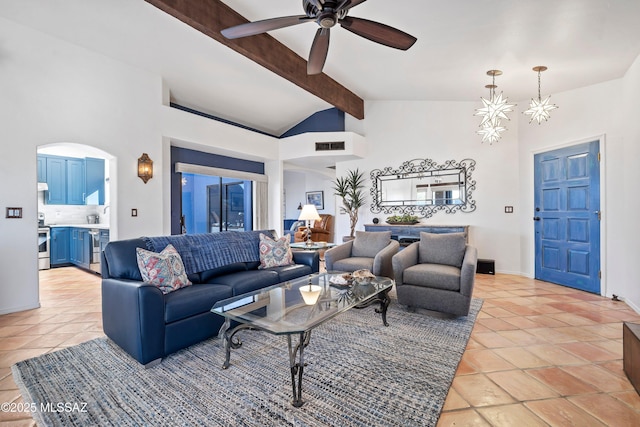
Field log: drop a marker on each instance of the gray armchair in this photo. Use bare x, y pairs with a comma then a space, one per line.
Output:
436, 273
370, 250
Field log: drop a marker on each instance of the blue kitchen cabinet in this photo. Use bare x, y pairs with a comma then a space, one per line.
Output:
104, 239
72, 181
56, 180
75, 182
74, 247
94, 173
42, 169
60, 246
80, 246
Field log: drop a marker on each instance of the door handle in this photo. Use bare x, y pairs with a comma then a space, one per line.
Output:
536, 218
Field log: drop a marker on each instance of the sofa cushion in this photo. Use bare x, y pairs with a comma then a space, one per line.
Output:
353, 264
292, 271
445, 248
248, 281
208, 276
193, 300
164, 270
369, 243
437, 276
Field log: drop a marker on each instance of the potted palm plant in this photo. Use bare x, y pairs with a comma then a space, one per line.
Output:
349, 189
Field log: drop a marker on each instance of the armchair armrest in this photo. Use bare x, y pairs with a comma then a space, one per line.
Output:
133, 317
468, 270
337, 253
382, 264
403, 260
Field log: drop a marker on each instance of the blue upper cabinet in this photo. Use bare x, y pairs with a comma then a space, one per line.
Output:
56, 180
42, 169
75, 182
72, 181
94, 181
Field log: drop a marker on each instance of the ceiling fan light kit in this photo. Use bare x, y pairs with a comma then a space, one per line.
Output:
327, 14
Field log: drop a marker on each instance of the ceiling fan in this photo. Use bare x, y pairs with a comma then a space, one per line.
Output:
327, 13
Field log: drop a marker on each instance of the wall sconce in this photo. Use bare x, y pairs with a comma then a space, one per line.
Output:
145, 168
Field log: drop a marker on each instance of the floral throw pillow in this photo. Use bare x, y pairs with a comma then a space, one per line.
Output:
164, 270
274, 253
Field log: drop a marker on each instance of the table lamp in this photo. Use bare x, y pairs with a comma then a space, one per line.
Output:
307, 214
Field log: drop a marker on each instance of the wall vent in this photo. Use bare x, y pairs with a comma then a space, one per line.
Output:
330, 146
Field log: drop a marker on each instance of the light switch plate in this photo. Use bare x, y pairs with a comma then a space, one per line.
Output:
508, 209
14, 212
134, 212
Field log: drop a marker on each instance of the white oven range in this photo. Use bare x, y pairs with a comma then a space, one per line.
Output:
43, 248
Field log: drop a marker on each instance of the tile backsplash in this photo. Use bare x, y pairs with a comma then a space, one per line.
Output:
70, 214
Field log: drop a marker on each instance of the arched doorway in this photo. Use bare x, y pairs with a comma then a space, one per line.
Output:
74, 198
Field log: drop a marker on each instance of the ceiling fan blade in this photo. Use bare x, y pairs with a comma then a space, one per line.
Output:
319, 51
259, 27
379, 33
348, 4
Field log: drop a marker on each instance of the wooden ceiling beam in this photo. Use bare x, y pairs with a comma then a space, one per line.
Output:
212, 16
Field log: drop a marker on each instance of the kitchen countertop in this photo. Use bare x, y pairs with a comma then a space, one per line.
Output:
98, 226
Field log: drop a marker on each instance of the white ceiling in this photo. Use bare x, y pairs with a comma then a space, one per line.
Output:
583, 42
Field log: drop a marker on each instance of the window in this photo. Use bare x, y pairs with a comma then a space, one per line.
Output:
214, 199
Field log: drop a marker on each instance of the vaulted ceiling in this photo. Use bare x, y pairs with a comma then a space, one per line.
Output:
583, 42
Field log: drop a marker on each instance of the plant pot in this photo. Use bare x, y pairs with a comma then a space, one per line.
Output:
403, 223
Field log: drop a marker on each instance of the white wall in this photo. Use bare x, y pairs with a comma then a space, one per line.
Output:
398, 131
55, 92
298, 183
625, 251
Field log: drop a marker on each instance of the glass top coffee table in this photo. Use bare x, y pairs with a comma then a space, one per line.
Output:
296, 307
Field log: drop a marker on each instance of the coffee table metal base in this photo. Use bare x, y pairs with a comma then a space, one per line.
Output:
296, 351
296, 362
381, 298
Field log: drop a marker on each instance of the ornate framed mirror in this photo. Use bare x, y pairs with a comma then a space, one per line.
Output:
421, 187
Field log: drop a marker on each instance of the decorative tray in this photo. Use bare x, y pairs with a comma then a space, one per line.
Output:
341, 280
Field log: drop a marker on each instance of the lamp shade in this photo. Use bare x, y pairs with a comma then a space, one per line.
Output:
310, 293
309, 213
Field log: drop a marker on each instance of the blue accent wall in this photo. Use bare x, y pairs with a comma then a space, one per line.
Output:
331, 120
194, 157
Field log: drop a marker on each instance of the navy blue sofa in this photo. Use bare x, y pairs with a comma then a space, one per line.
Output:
150, 325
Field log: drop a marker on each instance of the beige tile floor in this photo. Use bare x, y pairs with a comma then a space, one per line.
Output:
539, 355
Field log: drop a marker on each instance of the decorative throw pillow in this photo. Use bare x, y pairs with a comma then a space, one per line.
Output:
274, 253
164, 270
369, 243
445, 248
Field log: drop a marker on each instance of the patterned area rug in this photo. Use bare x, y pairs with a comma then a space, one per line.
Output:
359, 373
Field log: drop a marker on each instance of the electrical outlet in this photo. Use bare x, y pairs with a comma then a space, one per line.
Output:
508, 209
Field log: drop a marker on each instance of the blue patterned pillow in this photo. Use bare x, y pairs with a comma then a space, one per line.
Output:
164, 270
274, 253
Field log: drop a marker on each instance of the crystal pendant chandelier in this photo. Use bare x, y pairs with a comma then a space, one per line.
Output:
493, 111
539, 108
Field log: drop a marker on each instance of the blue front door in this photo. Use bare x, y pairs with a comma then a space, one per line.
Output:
567, 216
